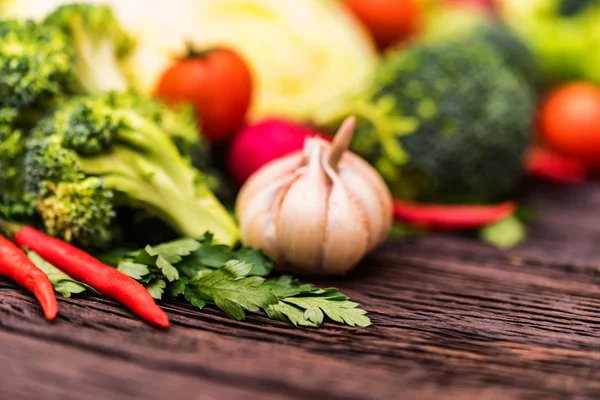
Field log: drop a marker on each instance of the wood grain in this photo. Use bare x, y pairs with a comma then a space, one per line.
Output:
453, 319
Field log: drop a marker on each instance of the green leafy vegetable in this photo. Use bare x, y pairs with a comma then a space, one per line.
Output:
61, 282
230, 288
204, 273
305, 305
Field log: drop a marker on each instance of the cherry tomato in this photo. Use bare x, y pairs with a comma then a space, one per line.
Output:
217, 83
389, 21
570, 121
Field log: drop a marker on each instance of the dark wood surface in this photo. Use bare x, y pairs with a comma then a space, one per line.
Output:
452, 319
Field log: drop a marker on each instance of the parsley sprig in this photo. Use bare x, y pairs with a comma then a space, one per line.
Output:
204, 273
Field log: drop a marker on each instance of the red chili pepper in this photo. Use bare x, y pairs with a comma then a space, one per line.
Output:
451, 216
555, 167
15, 264
87, 269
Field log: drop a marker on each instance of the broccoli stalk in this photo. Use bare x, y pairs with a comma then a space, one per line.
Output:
147, 171
101, 46
98, 154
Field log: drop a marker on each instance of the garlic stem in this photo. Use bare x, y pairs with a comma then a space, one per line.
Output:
341, 142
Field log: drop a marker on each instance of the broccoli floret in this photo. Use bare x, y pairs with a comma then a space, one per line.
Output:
101, 46
13, 202
35, 63
451, 23
446, 122
177, 121
94, 154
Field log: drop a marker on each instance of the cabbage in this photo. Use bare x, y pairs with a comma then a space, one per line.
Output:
309, 57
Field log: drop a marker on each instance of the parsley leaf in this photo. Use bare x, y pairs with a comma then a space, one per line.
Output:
61, 282
156, 287
233, 291
205, 273
305, 305
134, 270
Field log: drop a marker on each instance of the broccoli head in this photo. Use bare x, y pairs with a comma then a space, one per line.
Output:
178, 121
450, 23
35, 63
101, 46
97, 153
14, 203
446, 122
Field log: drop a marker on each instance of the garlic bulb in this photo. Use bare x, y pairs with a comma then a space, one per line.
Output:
319, 210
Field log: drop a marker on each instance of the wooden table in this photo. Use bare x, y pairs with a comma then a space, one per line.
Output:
453, 319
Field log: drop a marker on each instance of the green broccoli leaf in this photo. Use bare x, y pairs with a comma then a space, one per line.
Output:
61, 282
230, 288
505, 234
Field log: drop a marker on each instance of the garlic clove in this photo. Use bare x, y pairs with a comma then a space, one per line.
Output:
301, 219
373, 186
258, 228
347, 232
271, 172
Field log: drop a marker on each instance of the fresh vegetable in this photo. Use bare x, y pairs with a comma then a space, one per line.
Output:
99, 153
300, 72
61, 282
564, 34
203, 273
504, 234
547, 164
15, 265
460, 19
87, 269
13, 203
389, 21
452, 216
101, 46
446, 122
570, 121
260, 143
317, 211
35, 63
200, 79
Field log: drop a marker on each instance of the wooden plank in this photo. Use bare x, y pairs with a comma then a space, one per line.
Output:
452, 318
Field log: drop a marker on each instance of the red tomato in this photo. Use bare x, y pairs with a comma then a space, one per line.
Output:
388, 21
217, 83
570, 121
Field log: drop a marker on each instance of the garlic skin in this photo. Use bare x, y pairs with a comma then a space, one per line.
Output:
316, 211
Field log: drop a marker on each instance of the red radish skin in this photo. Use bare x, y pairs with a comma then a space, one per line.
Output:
258, 144
83, 267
